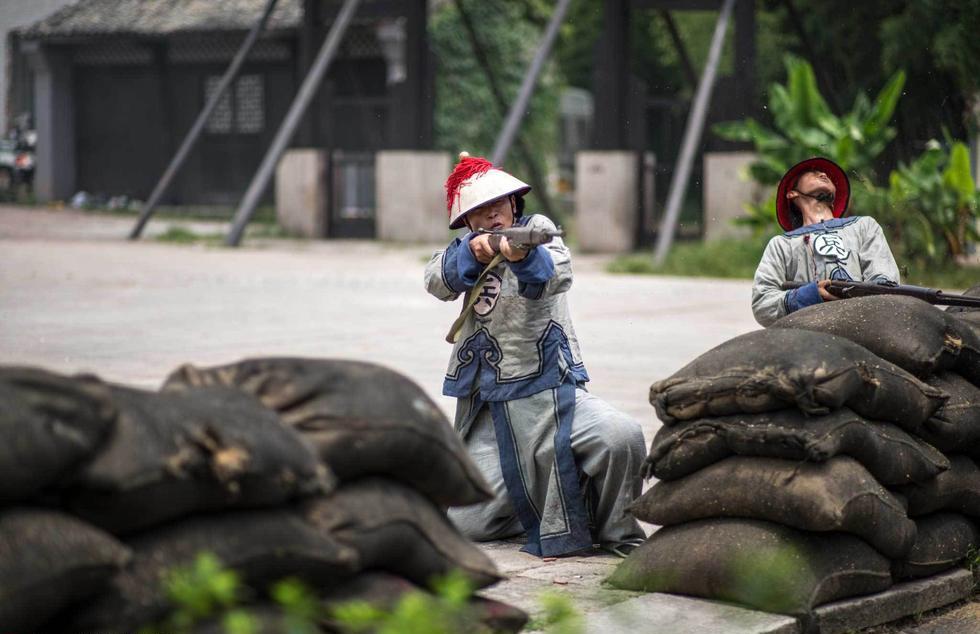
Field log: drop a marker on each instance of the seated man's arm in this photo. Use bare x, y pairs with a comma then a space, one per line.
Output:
452, 271
877, 262
547, 269
769, 300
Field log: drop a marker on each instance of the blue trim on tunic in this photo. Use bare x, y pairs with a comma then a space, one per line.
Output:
806, 295
533, 273
479, 357
833, 223
577, 537
460, 269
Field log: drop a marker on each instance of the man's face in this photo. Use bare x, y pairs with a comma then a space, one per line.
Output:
812, 183
496, 215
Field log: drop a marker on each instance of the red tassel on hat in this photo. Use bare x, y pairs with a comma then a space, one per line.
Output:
467, 168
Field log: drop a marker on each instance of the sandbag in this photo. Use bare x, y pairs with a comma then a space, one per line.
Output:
954, 427
201, 450
759, 564
396, 530
891, 455
906, 331
837, 495
968, 361
942, 541
48, 423
386, 590
774, 369
261, 546
364, 419
957, 489
49, 560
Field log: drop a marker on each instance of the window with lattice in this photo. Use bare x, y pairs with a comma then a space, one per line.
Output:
241, 109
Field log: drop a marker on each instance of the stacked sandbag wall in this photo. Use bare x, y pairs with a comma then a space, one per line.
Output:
336, 473
829, 456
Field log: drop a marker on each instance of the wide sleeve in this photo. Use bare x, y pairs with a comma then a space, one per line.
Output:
452, 271
547, 269
769, 300
877, 262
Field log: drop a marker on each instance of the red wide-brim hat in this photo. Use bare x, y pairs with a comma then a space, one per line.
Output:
816, 164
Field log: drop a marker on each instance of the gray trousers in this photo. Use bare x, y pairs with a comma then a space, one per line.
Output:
609, 451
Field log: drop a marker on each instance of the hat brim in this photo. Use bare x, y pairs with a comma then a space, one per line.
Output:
833, 171
460, 221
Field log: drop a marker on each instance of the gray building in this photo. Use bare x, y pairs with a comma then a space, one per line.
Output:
117, 83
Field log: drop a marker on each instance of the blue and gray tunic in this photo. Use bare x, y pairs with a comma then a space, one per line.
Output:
851, 248
517, 372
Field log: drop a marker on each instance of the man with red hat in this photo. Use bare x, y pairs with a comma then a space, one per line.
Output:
819, 245
564, 464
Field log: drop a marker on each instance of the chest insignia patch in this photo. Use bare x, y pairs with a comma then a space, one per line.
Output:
831, 245
488, 295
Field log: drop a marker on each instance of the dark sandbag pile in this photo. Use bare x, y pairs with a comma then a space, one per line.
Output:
826, 457
335, 473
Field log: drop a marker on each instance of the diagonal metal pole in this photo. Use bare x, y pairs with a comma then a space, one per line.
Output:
296, 110
519, 107
498, 96
202, 118
692, 136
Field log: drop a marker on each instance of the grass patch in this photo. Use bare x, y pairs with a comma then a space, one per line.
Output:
181, 235
739, 259
727, 259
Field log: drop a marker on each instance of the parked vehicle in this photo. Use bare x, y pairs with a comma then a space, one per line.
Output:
16, 163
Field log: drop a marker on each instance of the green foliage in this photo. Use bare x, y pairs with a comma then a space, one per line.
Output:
447, 611
199, 591
805, 126
559, 616
466, 115
931, 207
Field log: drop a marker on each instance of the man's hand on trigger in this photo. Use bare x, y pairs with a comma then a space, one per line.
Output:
825, 294
482, 251
513, 254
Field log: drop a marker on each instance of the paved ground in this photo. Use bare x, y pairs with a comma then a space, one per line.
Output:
76, 296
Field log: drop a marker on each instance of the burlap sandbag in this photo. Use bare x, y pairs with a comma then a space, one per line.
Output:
837, 495
394, 529
776, 369
968, 361
954, 427
942, 541
957, 489
891, 455
759, 564
909, 332
49, 560
200, 450
261, 546
48, 423
363, 418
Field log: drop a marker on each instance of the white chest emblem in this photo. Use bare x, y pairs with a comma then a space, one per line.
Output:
830, 245
486, 299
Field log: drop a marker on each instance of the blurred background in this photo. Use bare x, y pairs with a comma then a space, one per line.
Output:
97, 96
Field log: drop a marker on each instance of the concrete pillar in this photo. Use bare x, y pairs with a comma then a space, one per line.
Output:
54, 172
606, 200
301, 192
726, 191
411, 200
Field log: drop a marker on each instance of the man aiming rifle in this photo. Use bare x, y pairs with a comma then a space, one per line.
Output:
820, 245
564, 464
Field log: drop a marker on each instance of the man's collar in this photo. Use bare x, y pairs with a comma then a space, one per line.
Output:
833, 223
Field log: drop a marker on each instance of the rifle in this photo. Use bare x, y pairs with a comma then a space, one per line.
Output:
846, 289
518, 237
522, 237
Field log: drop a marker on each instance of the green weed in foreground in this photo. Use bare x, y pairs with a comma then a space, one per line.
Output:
182, 235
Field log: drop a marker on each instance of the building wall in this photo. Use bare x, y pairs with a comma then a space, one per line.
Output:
14, 14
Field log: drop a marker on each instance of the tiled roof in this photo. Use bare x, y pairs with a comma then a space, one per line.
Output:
161, 17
